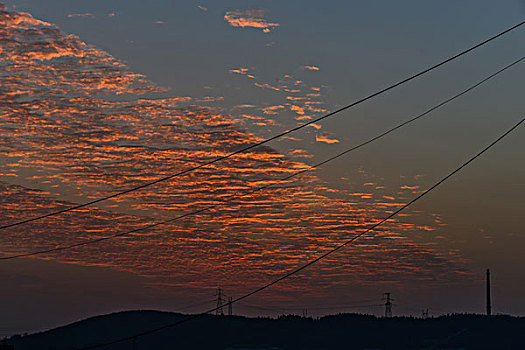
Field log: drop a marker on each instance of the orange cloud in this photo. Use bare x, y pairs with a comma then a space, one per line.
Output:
303, 117
244, 106
253, 18
297, 109
24, 18
243, 71
272, 109
311, 67
324, 137
300, 153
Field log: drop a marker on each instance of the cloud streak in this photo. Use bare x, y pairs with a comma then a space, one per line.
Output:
312, 68
72, 15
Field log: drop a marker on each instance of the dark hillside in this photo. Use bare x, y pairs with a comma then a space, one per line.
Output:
345, 331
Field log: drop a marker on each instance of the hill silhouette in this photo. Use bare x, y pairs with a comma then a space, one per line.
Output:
344, 331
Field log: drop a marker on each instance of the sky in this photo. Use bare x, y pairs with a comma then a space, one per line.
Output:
101, 96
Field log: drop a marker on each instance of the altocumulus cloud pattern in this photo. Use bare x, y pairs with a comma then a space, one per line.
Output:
74, 126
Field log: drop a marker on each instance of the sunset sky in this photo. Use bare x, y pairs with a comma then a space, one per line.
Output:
100, 96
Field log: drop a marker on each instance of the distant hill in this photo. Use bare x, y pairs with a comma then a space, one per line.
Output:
344, 331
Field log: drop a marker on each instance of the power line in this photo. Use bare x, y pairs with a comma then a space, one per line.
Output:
324, 255
235, 197
229, 155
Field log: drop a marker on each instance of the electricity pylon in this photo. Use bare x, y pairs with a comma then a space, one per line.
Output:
220, 302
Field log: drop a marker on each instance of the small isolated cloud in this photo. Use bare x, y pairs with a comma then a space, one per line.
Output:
243, 71
267, 86
159, 22
253, 18
406, 187
300, 153
90, 15
311, 67
202, 8
325, 137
